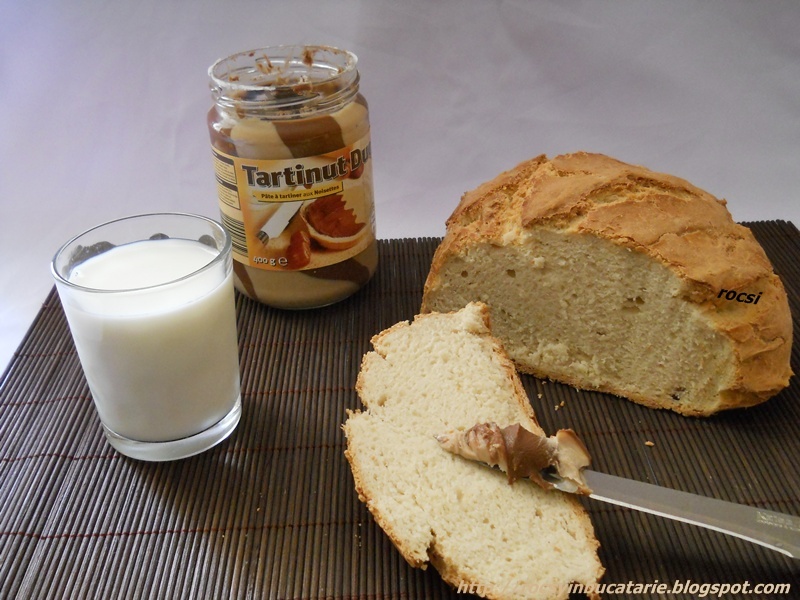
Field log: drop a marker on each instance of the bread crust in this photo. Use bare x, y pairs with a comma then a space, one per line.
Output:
661, 216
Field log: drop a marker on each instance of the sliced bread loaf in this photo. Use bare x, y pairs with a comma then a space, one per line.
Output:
446, 372
611, 277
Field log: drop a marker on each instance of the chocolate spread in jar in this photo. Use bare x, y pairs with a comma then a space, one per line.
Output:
291, 143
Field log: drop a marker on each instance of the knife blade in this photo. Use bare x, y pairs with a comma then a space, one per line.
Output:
774, 530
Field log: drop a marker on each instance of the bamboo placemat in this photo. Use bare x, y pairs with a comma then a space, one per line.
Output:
272, 513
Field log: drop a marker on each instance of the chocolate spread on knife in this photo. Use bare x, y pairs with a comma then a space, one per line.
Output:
522, 454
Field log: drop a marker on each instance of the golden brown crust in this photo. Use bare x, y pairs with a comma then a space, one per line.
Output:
662, 216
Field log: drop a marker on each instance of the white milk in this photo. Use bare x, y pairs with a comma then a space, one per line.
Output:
162, 363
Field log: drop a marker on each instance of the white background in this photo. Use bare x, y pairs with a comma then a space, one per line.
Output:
102, 105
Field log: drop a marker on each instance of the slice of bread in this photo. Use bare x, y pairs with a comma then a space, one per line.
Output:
611, 277
447, 372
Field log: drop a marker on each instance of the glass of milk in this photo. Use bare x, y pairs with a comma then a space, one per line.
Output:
150, 304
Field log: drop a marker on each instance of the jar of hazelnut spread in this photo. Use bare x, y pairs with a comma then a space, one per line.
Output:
291, 144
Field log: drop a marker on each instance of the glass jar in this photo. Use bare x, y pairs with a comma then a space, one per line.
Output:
291, 143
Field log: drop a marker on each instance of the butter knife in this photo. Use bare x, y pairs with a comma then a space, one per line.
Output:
774, 530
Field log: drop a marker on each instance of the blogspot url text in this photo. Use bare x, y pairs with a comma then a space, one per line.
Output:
632, 588
700, 590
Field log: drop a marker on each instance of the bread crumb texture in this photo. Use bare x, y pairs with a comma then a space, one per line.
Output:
611, 277
446, 372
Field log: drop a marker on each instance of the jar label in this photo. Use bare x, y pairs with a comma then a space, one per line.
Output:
299, 213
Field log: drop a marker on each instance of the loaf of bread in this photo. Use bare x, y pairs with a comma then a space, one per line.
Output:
611, 277
446, 372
